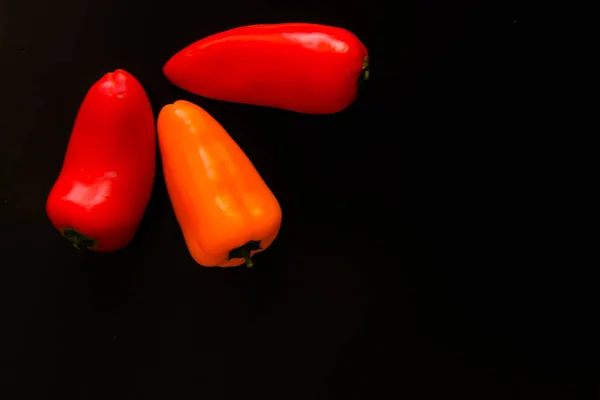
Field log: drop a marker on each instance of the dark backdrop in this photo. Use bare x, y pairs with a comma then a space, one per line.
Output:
411, 262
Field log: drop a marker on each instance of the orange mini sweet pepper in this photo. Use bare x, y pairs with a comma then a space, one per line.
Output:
226, 211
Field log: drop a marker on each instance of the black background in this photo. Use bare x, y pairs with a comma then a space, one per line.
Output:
413, 261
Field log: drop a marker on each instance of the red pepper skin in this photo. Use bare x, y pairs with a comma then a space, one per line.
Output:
108, 171
307, 68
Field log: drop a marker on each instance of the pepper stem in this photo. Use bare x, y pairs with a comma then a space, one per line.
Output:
244, 252
78, 239
364, 74
365, 69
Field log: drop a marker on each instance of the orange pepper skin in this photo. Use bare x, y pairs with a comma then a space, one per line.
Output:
222, 204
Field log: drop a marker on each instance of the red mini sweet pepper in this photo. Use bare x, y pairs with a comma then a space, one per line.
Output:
308, 68
108, 171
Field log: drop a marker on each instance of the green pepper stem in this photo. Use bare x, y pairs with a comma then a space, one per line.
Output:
364, 74
365, 69
78, 239
244, 252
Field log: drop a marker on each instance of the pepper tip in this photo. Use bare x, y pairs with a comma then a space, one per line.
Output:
114, 83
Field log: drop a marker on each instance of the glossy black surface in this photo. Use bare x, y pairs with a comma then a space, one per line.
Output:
412, 262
